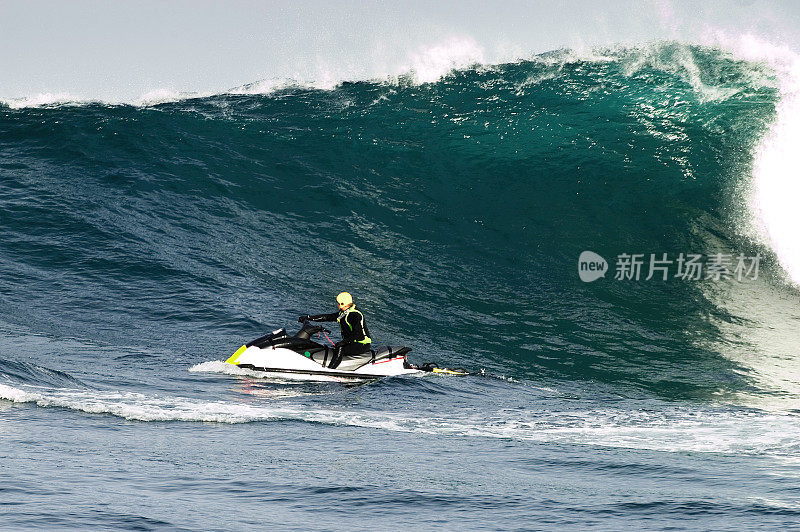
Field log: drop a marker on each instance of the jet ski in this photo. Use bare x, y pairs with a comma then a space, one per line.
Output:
299, 357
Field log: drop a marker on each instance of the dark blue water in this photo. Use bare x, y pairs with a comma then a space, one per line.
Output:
142, 245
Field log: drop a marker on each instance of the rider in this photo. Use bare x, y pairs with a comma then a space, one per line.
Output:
355, 335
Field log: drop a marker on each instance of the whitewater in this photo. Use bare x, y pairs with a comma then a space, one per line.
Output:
144, 241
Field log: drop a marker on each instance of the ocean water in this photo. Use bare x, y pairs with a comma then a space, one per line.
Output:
142, 244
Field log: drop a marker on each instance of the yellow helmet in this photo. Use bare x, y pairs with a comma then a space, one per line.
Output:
344, 299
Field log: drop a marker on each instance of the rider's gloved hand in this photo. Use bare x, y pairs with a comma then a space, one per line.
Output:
301, 319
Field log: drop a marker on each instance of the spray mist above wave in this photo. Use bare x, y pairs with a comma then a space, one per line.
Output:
424, 64
428, 64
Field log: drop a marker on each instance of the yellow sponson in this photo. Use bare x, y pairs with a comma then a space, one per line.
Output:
449, 371
235, 357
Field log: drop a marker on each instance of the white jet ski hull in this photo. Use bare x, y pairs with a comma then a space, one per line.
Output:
285, 363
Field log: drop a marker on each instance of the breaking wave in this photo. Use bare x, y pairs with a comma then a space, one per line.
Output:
454, 204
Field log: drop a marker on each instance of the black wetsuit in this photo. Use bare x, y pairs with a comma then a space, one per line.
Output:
355, 335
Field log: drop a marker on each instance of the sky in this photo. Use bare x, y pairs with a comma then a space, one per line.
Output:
120, 51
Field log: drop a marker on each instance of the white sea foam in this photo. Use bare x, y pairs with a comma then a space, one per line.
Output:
326, 80
13, 394
776, 186
141, 407
160, 96
424, 64
671, 430
218, 366
774, 192
42, 100
431, 63
150, 98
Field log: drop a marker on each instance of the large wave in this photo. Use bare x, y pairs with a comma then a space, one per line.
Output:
454, 208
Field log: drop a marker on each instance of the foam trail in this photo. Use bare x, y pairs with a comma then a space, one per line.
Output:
671, 430
141, 407
218, 366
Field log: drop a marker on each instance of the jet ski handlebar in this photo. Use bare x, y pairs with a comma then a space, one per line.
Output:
305, 321
307, 330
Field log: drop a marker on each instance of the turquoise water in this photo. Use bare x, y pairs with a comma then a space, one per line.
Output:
143, 245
